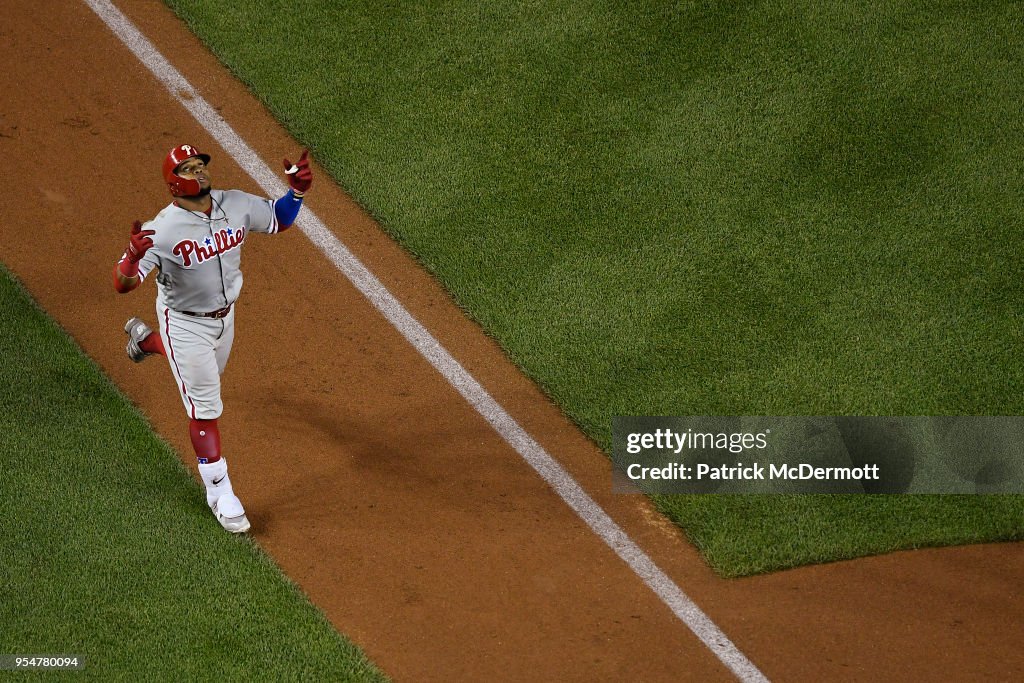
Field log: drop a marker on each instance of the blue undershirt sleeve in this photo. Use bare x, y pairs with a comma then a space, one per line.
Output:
287, 208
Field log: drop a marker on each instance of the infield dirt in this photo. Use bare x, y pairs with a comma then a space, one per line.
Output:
419, 532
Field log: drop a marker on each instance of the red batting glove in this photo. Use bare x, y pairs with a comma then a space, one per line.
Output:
139, 243
299, 176
126, 271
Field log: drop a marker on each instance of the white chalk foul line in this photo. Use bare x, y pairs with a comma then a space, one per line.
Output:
424, 342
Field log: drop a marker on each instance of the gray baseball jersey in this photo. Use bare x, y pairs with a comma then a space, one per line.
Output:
199, 256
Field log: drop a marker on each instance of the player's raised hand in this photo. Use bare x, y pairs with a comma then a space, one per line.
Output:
140, 242
300, 177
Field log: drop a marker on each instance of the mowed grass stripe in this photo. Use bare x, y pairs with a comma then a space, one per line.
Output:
108, 550
691, 208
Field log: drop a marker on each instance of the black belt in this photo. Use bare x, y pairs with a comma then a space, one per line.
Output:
212, 314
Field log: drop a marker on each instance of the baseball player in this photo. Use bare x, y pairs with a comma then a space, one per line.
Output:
195, 245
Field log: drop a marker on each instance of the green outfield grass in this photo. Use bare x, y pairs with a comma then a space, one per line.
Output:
742, 535
108, 550
694, 208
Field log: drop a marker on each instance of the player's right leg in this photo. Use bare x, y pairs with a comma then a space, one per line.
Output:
191, 354
221, 498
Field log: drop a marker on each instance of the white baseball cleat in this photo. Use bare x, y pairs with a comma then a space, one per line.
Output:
136, 330
229, 512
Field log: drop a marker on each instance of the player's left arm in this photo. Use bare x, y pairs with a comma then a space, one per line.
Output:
300, 178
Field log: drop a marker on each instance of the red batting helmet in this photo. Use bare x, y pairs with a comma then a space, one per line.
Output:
182, 187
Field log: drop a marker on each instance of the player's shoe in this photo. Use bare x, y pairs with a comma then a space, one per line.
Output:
229, 512
136, 330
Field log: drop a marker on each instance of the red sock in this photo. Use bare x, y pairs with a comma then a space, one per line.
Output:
205, 439
153, 344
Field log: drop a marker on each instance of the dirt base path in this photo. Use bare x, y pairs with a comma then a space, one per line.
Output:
375, 487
